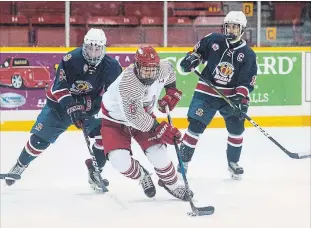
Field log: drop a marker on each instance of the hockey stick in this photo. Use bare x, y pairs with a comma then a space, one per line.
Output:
235, 107
94, 162
196, 211
95, 165
9, 176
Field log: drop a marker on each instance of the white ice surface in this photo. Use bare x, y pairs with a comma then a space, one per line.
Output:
53, 192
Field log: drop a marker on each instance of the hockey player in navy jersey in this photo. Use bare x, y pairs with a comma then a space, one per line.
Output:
74, 97
232, 68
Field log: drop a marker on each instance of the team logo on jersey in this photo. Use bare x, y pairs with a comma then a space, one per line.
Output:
67, 57
62, 75
81, 87
85, 68
215, 47
224, 73
240, 57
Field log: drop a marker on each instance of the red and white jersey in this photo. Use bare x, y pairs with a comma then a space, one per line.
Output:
130, 102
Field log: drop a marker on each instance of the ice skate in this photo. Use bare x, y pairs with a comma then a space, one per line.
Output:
18, 168
147, 183
236, 171
177, 190
93, 178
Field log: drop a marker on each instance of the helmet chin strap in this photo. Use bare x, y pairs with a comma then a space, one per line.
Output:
232, 38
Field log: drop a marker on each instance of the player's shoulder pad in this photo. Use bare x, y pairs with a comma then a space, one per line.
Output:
215, 37
111, 62
249, 52
112, 65
74, 55
165, 62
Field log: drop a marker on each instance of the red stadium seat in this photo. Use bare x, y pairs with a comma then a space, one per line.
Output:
193, 9
50, 37
209, 21
170, 21
153, 35
40, 7
179, 21
47, 19
203, 31
76, 36
112, 21
6, 8
284, 13
112, 8
56, 20
123, 34
151, 20
9, 19
77, 20
141, 9
180, 36
176, 36
14, 36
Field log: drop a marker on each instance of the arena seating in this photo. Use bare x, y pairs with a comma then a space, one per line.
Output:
33, 23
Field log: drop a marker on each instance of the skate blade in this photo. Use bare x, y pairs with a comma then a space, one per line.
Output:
236, 176
98, 189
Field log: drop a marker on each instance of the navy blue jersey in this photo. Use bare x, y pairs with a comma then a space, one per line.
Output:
233, 70
75, 78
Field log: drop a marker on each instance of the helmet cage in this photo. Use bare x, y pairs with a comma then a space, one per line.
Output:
93, 53
147, 74
233, 38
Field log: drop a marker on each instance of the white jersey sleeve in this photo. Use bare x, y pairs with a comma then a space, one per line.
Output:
168, 70
132, 94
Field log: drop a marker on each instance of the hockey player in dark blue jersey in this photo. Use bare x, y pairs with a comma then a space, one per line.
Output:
232, 68
74, 97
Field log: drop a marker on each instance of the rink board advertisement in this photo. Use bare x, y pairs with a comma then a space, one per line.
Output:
25, 72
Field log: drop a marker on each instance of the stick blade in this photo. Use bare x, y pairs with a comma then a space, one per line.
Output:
10, 176
299, 156
201, 211
302, 156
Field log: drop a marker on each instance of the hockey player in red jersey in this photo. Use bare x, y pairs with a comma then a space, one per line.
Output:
127, 109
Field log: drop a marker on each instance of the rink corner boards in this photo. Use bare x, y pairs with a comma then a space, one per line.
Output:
182, 123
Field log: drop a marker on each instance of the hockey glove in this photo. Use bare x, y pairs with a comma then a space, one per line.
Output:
77, 115
242, 103
172, 97
168, 133
191, 61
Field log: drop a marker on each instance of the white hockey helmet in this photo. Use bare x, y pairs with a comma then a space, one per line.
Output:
94, 46
237, 18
